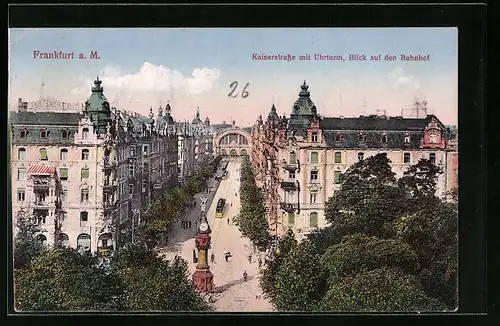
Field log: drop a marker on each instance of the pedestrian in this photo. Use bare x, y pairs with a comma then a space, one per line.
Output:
260, 262
245, 275
212, 258
228, 220
231, 204
250, 258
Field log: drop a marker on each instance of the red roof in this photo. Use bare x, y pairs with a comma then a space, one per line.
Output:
41, 170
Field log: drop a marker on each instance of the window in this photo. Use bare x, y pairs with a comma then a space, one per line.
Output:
432, 158
21, 174
145, 150
63, 154
21, 195
313, 220
63, 239
314, 137
132, 151
314, 157
291, 175
85, 133
337, 177
84, 173
131, 170
384, 138
83, 242
406, 158
63, 217
143, 185
21, 154
84, 219
338, 157
41, 218
361, 156
43, 154
64, 195
293, 158
433, 139
63, 173
65, 134
407, 139
314, 176
84, 195
338, 138
44, 133
361, 137
291, 218
85, 154
312, 197
130, 189
23, 133
42, 239
145, 168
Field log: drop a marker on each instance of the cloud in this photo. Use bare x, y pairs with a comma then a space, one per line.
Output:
152, 78
399, 80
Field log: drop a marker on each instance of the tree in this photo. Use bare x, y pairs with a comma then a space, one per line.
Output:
359, 252
62, 279
380, 290
273, 262
433, 232
384, 229
26, 246
420, 180
152, 284
252, 218
301, 282
164, 212
369, 199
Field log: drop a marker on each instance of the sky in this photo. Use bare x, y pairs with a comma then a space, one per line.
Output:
194, 67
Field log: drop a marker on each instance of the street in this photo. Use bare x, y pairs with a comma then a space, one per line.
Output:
232, 292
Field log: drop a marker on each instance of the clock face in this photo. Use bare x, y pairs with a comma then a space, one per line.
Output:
203, 227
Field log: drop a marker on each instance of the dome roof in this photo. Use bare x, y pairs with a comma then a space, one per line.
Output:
304, 105
97, 101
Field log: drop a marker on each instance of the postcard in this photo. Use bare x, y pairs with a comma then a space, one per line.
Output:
234, 169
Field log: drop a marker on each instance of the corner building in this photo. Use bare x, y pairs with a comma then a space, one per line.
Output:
86, 177
299, 161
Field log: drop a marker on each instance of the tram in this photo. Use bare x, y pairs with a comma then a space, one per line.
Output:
219, 211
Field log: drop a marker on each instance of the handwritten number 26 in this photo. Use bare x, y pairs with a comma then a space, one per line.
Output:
233, 87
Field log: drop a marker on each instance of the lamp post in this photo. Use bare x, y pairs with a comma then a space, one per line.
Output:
203, 279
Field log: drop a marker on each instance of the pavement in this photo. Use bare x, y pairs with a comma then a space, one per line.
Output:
233, 294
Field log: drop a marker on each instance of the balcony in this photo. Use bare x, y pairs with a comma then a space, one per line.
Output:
110, 183
292, 167
289, 207
109, 206
108, 163
44, 204
288, 185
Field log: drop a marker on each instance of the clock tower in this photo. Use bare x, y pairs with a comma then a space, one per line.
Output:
203, 279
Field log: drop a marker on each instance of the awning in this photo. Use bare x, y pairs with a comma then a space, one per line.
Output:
41, 170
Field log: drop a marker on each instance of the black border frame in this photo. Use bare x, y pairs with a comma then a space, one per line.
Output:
471, 22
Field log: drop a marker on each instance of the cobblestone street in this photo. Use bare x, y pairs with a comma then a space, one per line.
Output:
232, 292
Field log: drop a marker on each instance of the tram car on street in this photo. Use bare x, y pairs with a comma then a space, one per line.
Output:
219, 211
